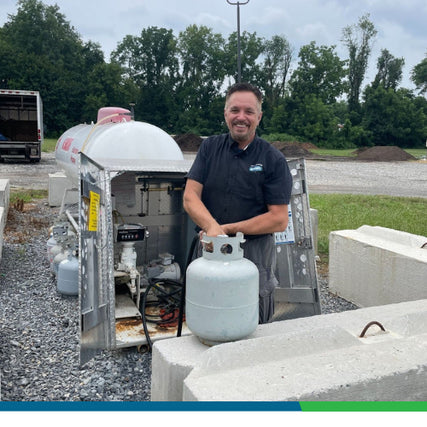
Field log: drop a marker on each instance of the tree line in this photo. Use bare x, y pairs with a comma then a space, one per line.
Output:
179, 82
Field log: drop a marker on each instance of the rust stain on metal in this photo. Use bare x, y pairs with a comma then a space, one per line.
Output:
123, 325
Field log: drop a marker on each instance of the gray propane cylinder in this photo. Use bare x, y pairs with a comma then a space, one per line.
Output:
68, 276
222, 291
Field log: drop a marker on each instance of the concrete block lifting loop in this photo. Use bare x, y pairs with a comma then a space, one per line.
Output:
368, 326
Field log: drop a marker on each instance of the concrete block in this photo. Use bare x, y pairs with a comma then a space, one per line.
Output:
373, 266
58, 185
172, 360
313, 358
4, 193
2, 224
4, 208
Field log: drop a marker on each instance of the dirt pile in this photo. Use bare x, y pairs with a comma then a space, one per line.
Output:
383, 154
188, 142
294, 149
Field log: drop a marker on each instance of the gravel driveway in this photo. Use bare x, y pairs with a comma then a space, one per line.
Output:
408, 179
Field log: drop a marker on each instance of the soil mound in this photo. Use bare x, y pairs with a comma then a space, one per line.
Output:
292, 149
384, 154
188, 142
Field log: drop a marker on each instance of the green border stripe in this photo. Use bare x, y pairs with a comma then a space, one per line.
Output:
363, 406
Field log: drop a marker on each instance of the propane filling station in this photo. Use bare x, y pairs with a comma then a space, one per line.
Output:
125, 248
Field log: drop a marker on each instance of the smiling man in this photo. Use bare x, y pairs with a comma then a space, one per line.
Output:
240, 182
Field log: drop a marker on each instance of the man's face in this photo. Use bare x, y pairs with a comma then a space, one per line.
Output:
242, 114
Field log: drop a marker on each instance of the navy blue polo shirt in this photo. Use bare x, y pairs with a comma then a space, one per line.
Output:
239, 184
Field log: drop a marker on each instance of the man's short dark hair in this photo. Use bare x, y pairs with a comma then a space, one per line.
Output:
244, 87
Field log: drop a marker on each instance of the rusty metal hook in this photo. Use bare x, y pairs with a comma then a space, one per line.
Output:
368, 326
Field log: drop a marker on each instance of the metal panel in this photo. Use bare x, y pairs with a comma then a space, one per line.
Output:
297, 294
95, 260
128, 192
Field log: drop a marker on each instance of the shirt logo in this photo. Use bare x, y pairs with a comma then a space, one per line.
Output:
256, 168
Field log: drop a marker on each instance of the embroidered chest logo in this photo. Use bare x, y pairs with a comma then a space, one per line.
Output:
256, 168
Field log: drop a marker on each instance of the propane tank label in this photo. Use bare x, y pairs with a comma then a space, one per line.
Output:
93, 211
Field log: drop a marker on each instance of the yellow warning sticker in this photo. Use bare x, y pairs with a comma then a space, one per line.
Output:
93, 211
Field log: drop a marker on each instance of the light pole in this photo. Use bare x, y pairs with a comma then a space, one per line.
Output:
239, 65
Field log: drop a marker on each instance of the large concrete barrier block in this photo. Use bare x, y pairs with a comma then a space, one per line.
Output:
4, 208
373, 266
58, 185
4, 193
172, 360
315, 358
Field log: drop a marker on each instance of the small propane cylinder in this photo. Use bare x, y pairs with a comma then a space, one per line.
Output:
57, 259
51, 243
68, 276
222, 291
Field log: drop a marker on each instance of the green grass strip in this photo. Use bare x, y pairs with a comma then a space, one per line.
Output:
363, 406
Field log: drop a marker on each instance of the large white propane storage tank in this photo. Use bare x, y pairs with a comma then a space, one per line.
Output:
222, 292
114, 136
68, 276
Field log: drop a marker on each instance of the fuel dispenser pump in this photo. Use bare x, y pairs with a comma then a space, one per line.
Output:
128, 235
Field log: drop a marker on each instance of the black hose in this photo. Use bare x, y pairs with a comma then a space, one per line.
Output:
168, 299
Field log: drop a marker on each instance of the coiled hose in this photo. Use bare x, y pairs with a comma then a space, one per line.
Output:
169, 301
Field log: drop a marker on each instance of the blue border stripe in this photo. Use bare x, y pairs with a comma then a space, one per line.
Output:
150, 406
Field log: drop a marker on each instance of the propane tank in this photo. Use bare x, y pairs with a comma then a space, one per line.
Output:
51, 243
68, 275
222, 287
58, 258
114, 136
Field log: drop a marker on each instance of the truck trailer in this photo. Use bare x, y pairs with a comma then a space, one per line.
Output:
21, 125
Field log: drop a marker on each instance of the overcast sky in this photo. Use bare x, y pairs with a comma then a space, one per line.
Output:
401, 25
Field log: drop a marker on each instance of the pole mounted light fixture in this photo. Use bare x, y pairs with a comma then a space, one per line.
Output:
239, 64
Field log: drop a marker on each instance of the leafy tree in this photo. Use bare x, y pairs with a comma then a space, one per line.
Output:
419, 76
251, 47
151, 65
274, 71
104, 88
49, 56
314, 120
389, 70
358, 39
320, 72
392, 117
202, 75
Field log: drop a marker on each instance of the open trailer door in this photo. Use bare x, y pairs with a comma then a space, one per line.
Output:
95, 261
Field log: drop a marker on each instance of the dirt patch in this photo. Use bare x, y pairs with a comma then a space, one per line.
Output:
26, 219
188, 142
384, 154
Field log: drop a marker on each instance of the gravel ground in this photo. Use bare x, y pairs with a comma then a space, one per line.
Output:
39, 339
39, 327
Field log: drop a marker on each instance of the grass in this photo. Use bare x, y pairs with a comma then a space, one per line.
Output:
26, 196
416, 152
348, 211
49, 145
332, 152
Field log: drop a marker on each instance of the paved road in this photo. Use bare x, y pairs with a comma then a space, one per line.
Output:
407, 179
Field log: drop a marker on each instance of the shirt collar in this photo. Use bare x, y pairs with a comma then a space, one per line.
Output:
235, 147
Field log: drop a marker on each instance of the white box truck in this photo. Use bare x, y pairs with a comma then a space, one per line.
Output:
21, 125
